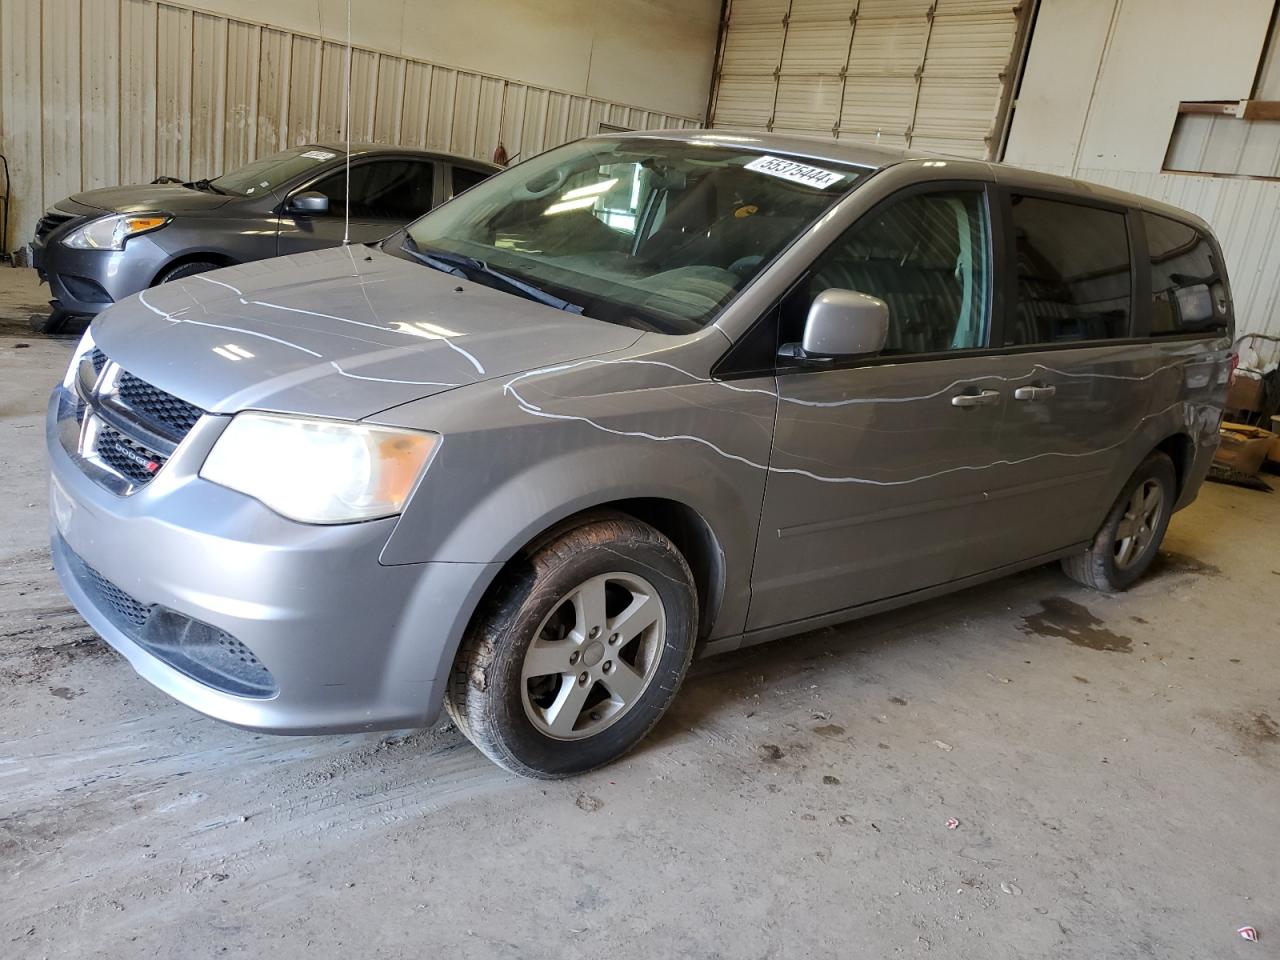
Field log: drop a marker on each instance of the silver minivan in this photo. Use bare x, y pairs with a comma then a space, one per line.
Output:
642, 396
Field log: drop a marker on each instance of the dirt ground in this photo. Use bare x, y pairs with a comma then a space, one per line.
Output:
1113, 762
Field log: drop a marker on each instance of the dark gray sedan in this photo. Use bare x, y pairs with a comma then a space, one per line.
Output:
98, 247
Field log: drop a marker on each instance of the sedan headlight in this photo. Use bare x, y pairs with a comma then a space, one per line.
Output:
110, 233
319, 471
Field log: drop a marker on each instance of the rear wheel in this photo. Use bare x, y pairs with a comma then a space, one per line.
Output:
579, 653
1131, 535
189, 269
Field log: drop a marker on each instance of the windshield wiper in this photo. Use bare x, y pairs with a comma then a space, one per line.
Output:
459, 265
206, 185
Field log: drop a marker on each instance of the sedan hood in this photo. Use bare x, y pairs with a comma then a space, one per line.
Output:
146, 197
342, 333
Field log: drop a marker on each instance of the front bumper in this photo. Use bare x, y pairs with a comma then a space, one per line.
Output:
349, 643
88, 281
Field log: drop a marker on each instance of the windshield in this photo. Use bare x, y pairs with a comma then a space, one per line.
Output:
266, 174
655, 234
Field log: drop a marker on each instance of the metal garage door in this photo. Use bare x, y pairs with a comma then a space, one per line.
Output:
934, 75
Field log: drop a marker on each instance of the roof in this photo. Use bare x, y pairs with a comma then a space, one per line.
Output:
877, 158
813, 148
360, 149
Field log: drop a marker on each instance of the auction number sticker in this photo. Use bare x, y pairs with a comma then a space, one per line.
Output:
795, 172
319, 155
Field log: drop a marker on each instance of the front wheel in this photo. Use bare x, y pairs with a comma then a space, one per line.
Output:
189, 269
579, 652
1131, 535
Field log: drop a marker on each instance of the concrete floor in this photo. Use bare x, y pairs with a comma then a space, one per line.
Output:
1113, 761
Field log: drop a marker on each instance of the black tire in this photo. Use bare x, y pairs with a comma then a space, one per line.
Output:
487, 693
189, 269
1098, 567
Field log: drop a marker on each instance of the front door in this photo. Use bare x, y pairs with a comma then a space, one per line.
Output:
877, 465
385, 195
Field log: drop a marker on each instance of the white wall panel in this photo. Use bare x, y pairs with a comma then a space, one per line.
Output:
657, 53
96, 92
932, 74
138, 91
99, 94
1131, 132
60, 111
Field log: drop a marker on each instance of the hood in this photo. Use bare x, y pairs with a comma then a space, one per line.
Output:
169, 197
343, 333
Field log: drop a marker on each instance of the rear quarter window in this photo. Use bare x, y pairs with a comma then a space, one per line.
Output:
1188, 294
1074, 277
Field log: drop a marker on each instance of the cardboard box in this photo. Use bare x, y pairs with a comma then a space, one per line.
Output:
1245, 392
1242, 447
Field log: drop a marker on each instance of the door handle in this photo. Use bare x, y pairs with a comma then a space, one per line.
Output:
987, 398
1034, 394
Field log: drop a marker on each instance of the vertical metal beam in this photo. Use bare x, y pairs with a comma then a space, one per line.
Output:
930, 14
844, 73
777, 71
1026, 12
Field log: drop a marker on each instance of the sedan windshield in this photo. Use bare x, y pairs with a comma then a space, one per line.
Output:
261, 176
650, 233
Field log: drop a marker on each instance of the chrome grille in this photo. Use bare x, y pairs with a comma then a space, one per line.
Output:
173, 416
128, 428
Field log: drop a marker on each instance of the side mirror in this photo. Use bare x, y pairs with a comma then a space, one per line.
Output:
845, 323
310, 202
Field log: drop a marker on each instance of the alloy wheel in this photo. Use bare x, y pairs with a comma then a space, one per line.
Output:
1137, 528
593, 656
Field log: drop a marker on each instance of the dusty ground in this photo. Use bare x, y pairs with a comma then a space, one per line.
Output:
1114, 763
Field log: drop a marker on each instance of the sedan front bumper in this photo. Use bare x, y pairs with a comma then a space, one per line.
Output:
196, 584
86, 282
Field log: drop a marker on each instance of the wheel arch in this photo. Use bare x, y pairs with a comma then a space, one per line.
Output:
1181, 449
688, 530
198, 256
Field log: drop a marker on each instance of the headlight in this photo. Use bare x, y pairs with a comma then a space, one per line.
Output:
319, 471
110, 233
85, 345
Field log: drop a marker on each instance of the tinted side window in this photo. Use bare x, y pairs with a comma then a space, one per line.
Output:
1073, 273
926, 256
1187, 292
381, 190
464, 179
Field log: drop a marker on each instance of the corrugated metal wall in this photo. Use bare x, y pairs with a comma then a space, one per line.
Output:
1245, 216
928, 74
99, 92
1221, 144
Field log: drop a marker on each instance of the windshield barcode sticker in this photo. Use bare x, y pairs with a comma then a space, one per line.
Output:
795, 172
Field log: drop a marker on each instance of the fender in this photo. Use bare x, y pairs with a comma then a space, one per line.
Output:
518, 457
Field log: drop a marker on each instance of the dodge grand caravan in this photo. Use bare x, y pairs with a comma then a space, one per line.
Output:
640, 395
